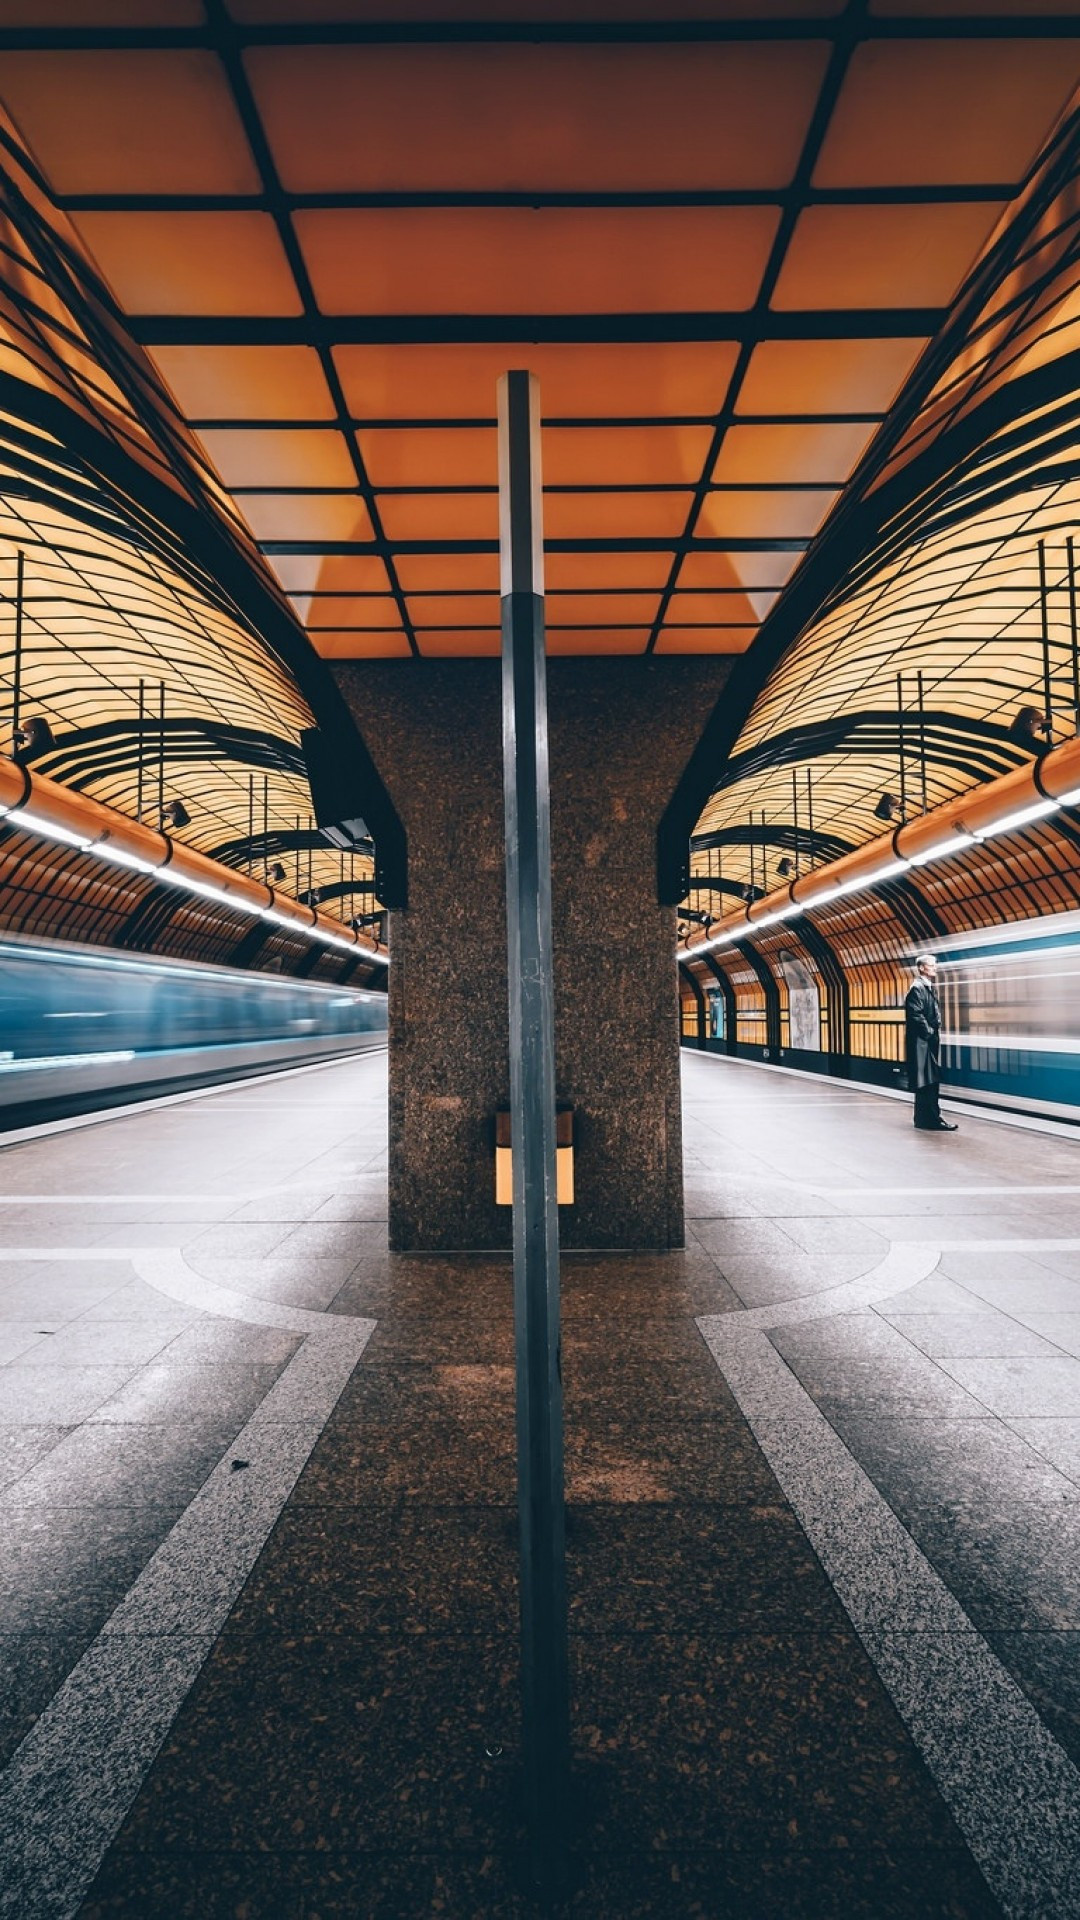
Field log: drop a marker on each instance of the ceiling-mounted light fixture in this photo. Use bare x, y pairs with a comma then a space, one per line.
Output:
887, 808
1030, 728
168, 876
275, 874
33, 737
784, 868
175, 814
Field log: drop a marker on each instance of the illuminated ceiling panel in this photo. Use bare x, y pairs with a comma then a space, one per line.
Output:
601, 609
714, 639
826, 376
741, 570
661, 379
554, 118
535, 260
440, 516
732, 608
105, 120
383, 643
569, 572
974, 112
306, 517
789, 455
722, 253
191, 262
780, 514
884, 256
284, 457
454, 572
484, 642
247, 383
615, 516
331, 610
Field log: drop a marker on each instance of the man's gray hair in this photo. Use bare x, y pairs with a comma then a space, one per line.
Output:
926, 959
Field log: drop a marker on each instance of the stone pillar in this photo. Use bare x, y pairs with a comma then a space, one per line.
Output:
620, 734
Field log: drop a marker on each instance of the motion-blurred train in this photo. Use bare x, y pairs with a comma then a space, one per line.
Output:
82, 1028
1010, 1008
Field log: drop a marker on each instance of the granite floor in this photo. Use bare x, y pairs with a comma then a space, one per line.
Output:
258, 1550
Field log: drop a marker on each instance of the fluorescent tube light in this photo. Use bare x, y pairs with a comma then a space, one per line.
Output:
48, 830
952, 845
1036, 811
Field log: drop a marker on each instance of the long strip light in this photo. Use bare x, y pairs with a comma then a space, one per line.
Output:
952, 843
116, 857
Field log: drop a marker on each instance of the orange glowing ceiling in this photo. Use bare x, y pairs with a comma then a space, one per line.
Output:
721, 232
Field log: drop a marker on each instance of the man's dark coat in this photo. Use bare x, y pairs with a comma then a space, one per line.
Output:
922, 1018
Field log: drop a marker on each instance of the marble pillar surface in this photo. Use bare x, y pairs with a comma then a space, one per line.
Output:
620, 733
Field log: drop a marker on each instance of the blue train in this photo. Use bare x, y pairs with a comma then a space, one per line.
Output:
1010, 1002
81, 1027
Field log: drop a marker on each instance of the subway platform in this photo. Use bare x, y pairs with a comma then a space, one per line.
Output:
258, 1548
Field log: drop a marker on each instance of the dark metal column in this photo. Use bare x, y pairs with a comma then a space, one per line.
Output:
545, 1682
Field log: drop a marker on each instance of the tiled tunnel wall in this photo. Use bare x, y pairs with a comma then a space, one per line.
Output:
57, 893
858, 952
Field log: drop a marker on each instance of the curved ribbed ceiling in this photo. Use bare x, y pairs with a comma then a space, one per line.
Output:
958, 592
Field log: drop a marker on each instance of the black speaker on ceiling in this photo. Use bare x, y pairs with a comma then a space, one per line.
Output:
333, 784
352, 807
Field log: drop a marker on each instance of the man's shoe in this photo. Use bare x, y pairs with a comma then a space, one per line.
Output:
945, 1126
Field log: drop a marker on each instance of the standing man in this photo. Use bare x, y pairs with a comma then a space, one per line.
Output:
922, 1025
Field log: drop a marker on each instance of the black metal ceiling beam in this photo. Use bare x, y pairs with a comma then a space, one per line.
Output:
778, 833
988, 471
714, 883
736, 544
339, 890
86, 753
445, 423
555, 594
845, 40
439, 491
533, 198
345, 33
980, 748
228, 46
276, 841
918, 917
261, 330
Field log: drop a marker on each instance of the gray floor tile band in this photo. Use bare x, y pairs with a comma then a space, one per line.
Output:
66, 1791
903, 1266
336, 1182
1019, 1245
983, 1191
166, 1270
1012, 1790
